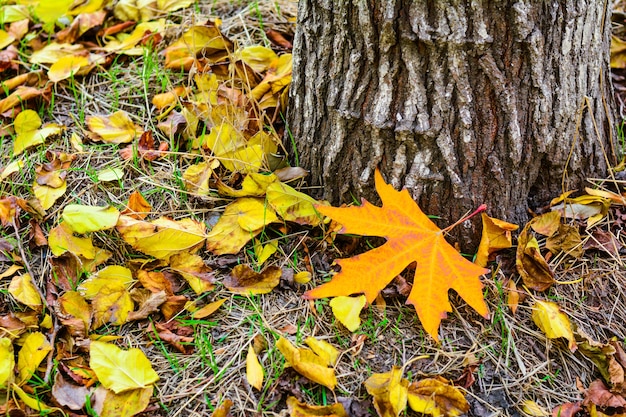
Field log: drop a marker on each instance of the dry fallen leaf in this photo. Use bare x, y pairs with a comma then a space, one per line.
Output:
347, 310
27, 127
123, 404
24, 291
7, 362
435, 396
411, 236
390, 392
531, 265
549, 318
307, 363
300, 409
244, 280
496, 236
120, 370
116, 128
34, 350
254, 370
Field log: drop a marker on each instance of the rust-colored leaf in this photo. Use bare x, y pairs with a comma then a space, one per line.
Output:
411, 236
531, 265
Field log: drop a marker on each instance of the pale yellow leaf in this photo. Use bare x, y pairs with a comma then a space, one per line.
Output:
54, 51
112, 275
84, 219
533, 409
549, 318
197, 176
34, 350
11, 168
33, 403
110, 174
254, 370
5, 39
24, 291
348, 309
61, 239
7, 362
121, 370
257, 57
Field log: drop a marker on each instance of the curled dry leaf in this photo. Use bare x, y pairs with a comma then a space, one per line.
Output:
567, 240
300, 409
549, 318
244, 280
435, 396
531, 265
307, 363
390, 392
148, 303
599, 394
223, 410
547, 224
496, 236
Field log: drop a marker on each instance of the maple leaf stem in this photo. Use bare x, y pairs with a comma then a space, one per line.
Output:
480, 209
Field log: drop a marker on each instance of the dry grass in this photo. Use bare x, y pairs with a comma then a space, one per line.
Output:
513, 360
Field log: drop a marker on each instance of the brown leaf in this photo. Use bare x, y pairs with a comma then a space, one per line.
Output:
567, 239
603, 356
148, 303
174, 305
599, 394
531, 265
604, 241
146, 148
67, 394
179, 337
567, 410
278, 38
244, 280
223, 410
437, 397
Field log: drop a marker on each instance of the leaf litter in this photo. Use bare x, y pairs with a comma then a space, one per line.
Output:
172, 154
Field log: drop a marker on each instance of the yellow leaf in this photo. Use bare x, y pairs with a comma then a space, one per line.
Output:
24, 291
208, 309
307, 363
12, 168
124, 404
110, 174
257, 57
67, 67
347, 310
198, 40
324, 350
108, 291
533, 409
193, 269
435, 396
33, 403
549, 318
121, 370
293, 205
76, 313
49, 11
54, 51
7, 362
496, 236
61, 239
127, 44
298, 409
302, 277
162, 237
390, 392
263, 252
34, 350
47, 195
254, 370
116, 128
5, 39
241, 221
253, 185
111, 275
83, 219
197, 176
530, 263
547, 224
27, 125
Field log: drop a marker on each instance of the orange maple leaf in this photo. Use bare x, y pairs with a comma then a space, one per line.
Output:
411, 236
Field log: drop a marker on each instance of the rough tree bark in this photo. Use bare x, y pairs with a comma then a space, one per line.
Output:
460, 102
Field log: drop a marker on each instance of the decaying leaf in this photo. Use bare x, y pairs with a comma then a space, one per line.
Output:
75, 313
549, 318
307, 363
531, 265
193, 269
347, 310
496, 236
435, 396
411, 236
254, 370
300, 409
162, 237
244, 280
598, 394
68, 394
121, 370
567, 240
197, 176
390, 392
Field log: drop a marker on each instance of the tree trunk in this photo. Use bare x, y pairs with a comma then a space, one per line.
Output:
506, 103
